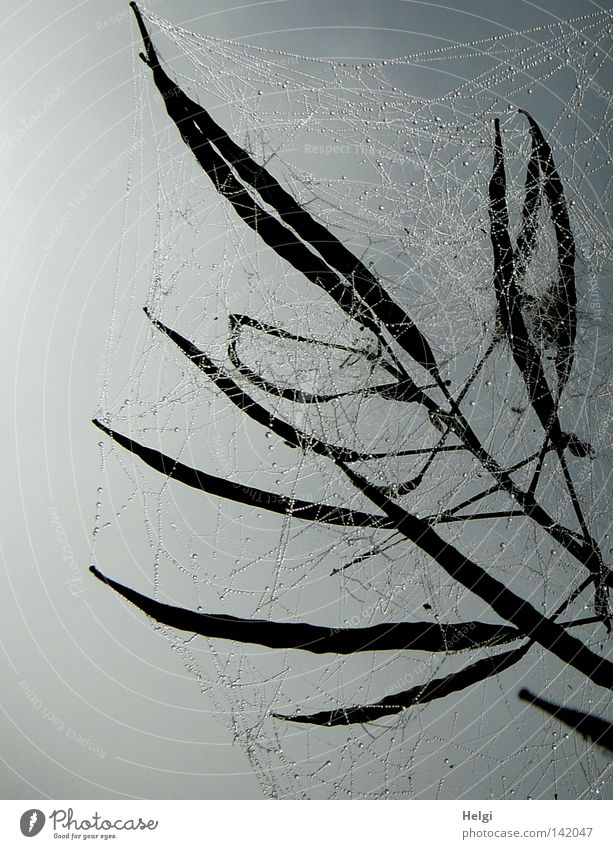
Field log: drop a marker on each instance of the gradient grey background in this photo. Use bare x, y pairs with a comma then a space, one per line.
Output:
67, 104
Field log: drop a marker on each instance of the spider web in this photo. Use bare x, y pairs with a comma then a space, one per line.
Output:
394, 158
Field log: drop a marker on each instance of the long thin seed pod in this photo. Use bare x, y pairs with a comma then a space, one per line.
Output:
255, 411
565, 293
562, 305
511, 267
525, 353
368, 288
239, 320
317, 639
404, 389
242, 494
299, 396
439, 688
526, 241
184, 112
290, 434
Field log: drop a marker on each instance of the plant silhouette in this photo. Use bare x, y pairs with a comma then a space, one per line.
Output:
527, 324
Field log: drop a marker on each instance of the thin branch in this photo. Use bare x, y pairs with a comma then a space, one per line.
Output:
496, 514
509, 606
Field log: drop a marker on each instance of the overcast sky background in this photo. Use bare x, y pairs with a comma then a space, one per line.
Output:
67, 104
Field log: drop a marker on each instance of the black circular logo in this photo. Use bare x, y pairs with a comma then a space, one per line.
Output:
32, 822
